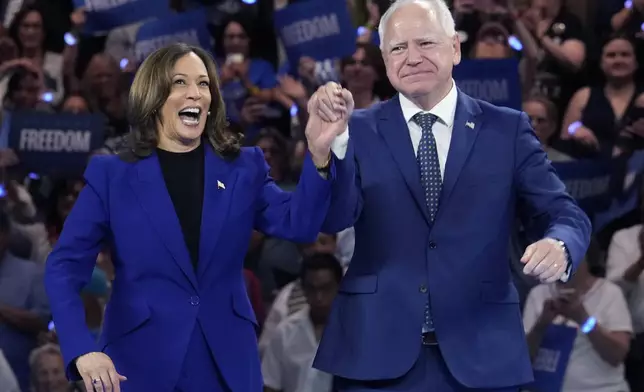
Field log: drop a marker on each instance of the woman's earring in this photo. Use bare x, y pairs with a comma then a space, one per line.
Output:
209, 112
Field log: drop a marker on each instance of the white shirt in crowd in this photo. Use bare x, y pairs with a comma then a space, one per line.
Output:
625, 250
8, 381
279, 312
287, 361
587, 371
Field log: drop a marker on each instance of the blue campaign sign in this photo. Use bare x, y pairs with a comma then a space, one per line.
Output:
105, 15
552, 359
318, 29
55, 143
188, 27
592, 183
628, 198
494, 81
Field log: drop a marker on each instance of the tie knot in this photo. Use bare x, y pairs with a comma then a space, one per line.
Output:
425, 120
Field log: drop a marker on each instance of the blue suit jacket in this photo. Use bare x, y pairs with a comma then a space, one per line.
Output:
158, 297
493, 171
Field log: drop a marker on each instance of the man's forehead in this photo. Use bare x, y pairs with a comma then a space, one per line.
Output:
413, 20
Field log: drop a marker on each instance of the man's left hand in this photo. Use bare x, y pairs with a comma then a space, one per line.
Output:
546, 260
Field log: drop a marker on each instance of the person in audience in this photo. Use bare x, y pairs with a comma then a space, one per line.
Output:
625, 266
363, 74
75, 104
24, 310
290, 298
7, 378
242, 76
625, 17
26, 227
470, 17
561, 41
102, 85
269, 257
25, 91
48, 369
286, 363
597, 115
597, 309
148, 202
61, 202
543, 116
28, 32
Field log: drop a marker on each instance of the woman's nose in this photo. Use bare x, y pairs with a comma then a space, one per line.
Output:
194, 92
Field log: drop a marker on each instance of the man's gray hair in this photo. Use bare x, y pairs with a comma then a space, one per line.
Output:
441, 9
49, 348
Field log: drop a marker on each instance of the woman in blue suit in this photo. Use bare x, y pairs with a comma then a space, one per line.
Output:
177, 210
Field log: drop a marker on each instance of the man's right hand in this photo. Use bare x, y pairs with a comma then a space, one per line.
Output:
98, 373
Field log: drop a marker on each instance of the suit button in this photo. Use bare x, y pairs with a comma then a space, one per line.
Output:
194, 300
422, 288
432, 245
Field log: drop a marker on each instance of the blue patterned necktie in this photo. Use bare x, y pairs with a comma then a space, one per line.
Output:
430, 179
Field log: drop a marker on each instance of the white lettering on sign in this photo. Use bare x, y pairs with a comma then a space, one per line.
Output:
326, 71
547, 360
307, 30
145, 47
487, 90
55, 140
102, 5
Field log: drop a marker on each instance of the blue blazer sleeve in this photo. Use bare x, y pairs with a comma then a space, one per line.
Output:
346, 194
543, 198
70, 264
294, 216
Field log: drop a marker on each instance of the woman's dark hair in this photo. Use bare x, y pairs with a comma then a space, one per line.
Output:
16, 79
321, 261
617, 36
17, 20
219, 33
149, 92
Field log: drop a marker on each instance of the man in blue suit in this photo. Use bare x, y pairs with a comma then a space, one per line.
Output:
428, 303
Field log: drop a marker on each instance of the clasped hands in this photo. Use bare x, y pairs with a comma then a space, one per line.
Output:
329, 109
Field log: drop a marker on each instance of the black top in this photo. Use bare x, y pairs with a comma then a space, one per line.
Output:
598, 116
184, 179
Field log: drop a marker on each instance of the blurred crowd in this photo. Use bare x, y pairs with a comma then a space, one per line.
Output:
581, 85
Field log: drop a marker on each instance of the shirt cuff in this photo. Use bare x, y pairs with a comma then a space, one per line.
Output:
340, 143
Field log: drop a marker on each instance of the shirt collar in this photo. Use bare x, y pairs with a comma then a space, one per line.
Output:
444, 110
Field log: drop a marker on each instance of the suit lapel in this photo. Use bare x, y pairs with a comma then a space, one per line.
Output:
149, 187
466, 126
395, 131
219, 184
